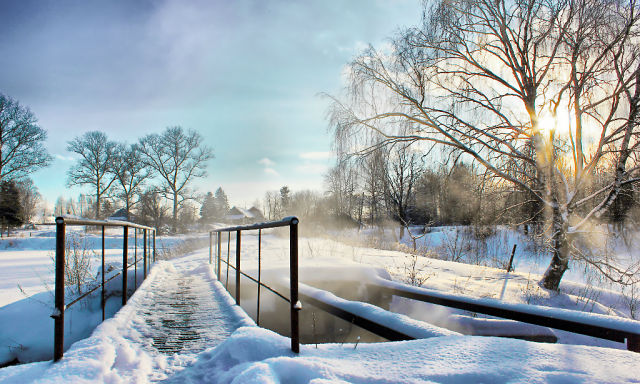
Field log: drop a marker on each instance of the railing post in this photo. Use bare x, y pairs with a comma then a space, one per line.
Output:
293, 288
259, 276
125, 261
135, 258
154, 245
633, 343
210, 246
102, 297
58, 316
226, 282
219, 254
144, 253
238, 267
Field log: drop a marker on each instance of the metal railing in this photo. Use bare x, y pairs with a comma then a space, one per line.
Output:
295, 306
60, 306
615, 329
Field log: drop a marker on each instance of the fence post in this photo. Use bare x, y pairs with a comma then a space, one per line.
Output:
144, 253
58, 316
238, 267
102, 298
511, 259
210, 246
125, 261
293, 288
219, 254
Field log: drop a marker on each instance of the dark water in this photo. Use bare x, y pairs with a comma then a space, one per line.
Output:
316, 325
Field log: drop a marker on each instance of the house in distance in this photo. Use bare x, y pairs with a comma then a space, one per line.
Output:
244, 216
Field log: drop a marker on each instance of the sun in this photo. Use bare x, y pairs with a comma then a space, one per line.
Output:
559, 123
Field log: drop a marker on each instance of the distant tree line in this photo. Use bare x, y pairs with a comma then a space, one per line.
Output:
400, 184
151, 179
140, 177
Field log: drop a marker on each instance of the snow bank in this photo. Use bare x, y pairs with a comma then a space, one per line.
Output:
613, 322
257, 355
33, 314
400, 323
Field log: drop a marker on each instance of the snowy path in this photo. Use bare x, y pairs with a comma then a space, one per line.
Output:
183, 315
179, 311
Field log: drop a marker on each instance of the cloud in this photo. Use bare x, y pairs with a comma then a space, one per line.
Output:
268, 166
63, 158
271, 171
309, 168
267, 162
315, 155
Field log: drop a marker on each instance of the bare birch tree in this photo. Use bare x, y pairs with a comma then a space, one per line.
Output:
373, 170
342, 185
532, 91
21, 139
402, 173
178, 157
130, 172
95, 165
29, 199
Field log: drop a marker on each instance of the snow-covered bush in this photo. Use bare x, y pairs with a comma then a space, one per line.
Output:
78, 263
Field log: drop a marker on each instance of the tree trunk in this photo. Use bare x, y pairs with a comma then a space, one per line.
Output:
98, 203
127, 208
560, 260
175, 212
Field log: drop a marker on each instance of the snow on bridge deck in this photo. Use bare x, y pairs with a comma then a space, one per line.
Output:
183, 314
179, 311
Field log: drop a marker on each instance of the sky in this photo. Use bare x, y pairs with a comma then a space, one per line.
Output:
247, 74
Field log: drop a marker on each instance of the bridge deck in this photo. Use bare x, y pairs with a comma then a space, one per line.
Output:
182, 314
178, 312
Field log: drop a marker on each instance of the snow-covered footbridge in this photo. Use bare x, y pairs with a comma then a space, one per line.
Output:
179, 311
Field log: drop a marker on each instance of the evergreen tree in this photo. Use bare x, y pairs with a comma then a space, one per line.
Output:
10, 205
208, 211
107, 208
285, 198
221, 203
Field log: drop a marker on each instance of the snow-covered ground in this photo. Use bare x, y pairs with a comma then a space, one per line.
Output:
120, 349
26, 290
492, 246
27, 258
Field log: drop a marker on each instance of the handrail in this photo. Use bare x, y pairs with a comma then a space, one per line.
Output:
295, 306
60, 307
72, 220
290, 220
